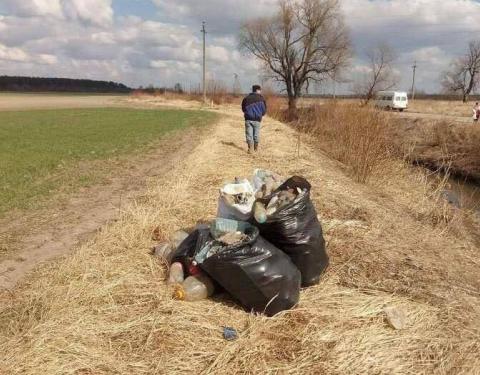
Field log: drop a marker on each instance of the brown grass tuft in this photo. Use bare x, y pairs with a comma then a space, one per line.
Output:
353, 135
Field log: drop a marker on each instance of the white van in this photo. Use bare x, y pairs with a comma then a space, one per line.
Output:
392, 100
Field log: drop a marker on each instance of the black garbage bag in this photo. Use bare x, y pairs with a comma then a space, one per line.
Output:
257, 274
295, 229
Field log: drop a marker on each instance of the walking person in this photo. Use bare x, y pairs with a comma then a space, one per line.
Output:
476, 112
254, 107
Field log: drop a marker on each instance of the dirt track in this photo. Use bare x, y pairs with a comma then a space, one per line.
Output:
31, 238
55, 231
434, 117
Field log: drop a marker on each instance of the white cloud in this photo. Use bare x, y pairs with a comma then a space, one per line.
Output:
29, 8
218, 54
222, 16
84, 38
12, 54
17, 55
98, 12
431, 32
435, 56
48, 59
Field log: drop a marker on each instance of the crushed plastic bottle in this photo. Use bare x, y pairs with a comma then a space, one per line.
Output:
179, 237
194, 288
164, 252
176, 275
260, 213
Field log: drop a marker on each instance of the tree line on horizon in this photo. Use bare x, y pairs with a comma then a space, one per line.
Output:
37, 84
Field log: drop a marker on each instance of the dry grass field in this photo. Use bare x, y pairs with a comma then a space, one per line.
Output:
106, 309
442, 107
21, 101
418, 107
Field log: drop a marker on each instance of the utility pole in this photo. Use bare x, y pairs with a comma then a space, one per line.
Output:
204, 32
237, 88
414, 67
335, 85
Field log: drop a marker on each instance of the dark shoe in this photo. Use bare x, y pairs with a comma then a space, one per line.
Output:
256, 147
250, 148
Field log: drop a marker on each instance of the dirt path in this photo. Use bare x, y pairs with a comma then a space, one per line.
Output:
36, 237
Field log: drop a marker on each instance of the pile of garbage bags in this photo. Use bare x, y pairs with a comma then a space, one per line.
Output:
265, 244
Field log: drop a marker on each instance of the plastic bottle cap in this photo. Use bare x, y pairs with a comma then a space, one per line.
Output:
179, 293
194, 270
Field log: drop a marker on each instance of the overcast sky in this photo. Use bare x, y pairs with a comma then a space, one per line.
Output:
142, 42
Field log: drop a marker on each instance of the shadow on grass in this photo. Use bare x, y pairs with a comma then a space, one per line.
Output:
231, 144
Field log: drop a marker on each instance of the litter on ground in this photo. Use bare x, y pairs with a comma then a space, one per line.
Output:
265, 244
229, 333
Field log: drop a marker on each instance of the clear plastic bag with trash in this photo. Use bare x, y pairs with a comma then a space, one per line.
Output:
265, 182
236, 200
238, 197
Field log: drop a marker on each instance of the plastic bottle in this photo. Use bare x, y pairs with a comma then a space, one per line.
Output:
164, 251
179, 237
194, 288
260, 213
176, 275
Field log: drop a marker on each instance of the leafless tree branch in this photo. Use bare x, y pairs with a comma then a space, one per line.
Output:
306, 41
380, 75
463, 76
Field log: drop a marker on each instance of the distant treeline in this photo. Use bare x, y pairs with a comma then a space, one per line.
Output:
152, 90
35, 84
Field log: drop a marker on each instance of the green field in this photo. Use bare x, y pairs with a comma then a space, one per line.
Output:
40, 151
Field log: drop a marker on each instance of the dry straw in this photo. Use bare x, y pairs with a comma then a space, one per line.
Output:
107, 310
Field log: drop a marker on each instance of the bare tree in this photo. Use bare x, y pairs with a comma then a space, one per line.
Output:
380, 74
178, 88
306, 41
464, 74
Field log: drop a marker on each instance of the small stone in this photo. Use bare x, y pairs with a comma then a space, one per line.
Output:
230, 334
179, 237
395, 317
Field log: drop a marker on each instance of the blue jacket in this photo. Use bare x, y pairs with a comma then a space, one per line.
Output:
254, 107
